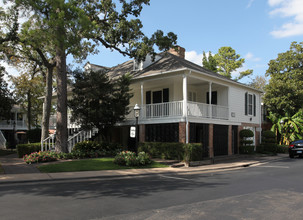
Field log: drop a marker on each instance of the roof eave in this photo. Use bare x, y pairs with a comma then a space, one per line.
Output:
200, 72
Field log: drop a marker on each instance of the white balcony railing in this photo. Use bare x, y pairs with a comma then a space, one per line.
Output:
2, 140
220, 112
9, 124
159, 110
198, 109
174, 109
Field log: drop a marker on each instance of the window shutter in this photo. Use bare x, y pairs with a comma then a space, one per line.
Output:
254, 103
148, 97
246, 103
166, 95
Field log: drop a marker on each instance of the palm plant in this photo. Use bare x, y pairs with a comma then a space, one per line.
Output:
289, 127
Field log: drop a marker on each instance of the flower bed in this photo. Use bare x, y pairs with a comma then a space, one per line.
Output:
41, 156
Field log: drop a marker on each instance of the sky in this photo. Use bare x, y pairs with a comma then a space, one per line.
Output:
257, 29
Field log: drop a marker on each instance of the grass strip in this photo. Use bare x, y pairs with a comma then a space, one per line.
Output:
91, 165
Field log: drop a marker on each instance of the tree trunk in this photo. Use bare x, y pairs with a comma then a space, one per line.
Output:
61, 126
47, 103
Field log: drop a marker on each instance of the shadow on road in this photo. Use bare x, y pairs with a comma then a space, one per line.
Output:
131, 187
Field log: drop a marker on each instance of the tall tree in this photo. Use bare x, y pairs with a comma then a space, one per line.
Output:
284, 92
6, 98
99, 101
229, 61
26, 46
76, 26
209, 62
28, 87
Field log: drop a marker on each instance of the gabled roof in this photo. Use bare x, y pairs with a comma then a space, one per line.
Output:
168, 62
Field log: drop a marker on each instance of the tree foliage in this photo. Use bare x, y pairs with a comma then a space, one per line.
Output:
6, 98
77, 27
284, 92
99, 101
28, 87
289, 127
228, 61
259, 82
209, 62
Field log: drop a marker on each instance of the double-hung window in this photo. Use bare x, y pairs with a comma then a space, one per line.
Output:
250, 104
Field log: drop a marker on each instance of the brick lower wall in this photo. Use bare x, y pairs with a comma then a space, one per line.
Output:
182, 132
211, 140
142, 133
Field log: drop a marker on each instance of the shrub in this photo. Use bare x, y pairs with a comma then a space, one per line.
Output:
171, 151
42, 156
143, 158
193, 152
246, 149
246, 133
23, 149
282, 149
34, 135
246, 146
268, 142
126, 158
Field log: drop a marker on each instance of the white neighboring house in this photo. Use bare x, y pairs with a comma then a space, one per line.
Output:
183, 102
13, 130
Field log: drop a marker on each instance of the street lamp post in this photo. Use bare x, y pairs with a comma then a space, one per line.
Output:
137, 115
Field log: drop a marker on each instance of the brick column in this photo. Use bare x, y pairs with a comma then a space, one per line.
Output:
211, 140
182, 132
142, 133
230, 142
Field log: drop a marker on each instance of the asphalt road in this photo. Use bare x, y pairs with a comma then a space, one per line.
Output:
268, 191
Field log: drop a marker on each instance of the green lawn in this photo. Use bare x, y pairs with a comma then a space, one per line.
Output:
90, 165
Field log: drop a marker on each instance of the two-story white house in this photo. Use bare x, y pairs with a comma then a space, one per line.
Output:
13, 130
183, 102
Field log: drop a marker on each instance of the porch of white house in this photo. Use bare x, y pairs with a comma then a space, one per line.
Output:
186, 96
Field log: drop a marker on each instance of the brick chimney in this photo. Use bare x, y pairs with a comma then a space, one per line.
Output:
179, 51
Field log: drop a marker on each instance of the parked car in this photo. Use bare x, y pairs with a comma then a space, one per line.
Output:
295, 148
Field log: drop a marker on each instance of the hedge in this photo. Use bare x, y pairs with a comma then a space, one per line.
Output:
23, 149
86, 148
173, 151
169, 151
193, 152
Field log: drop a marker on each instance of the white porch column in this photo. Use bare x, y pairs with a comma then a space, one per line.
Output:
209, 97
142, 94
185, 95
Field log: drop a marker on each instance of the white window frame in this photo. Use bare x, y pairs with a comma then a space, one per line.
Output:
192, 96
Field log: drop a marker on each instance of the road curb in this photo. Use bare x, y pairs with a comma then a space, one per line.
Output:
48, 176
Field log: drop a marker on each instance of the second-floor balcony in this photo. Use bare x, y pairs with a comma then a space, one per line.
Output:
13, 124
175, 109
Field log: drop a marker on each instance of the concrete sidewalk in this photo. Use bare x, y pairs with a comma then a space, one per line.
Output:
29, 173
